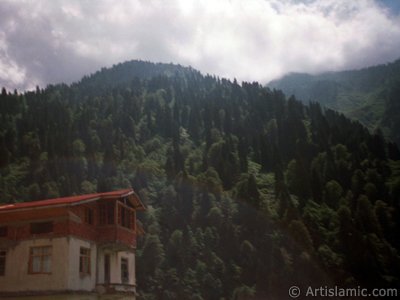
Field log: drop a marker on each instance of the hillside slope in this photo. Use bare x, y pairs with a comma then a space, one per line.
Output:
248, 193
369, 95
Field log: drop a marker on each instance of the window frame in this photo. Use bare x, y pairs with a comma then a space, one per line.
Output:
85, 260
3, 231
3, 262
126, 216
125, 262
106, 213
88, 215
41, 227
41, 256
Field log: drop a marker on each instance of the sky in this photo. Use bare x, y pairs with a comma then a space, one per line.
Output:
52, 41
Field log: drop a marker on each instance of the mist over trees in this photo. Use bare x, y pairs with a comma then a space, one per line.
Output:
369, 95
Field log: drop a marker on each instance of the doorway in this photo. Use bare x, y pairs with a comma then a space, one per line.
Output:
107, 268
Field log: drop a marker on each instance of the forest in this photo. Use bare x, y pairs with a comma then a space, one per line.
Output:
248, 192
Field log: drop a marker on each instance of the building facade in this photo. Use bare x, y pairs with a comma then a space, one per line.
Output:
81, 245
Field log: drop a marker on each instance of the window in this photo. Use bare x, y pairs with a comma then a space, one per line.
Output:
88, 215
84, 261
125, 217
42, 227
40, 260
106, 213
2, 262
124, 270
3, 231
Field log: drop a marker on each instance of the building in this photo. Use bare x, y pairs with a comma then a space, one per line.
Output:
80, 245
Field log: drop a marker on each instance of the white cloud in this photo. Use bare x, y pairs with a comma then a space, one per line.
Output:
44, 42
10, 73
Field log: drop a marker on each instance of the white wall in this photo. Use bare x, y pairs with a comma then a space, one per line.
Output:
16, 274
77, 281
64, 267
131, 263
115, 266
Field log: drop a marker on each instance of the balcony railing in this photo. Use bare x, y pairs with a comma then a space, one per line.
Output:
108, 234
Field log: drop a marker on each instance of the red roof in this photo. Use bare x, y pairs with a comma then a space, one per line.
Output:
69, 200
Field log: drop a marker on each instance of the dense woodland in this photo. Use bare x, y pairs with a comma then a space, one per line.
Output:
248, 192
370, 95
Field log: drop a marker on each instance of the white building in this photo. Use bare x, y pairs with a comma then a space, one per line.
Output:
69, 247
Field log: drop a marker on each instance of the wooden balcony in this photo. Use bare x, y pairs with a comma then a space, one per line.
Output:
112, 236
117, 224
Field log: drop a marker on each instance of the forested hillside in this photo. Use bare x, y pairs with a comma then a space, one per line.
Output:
370, 95
248, 193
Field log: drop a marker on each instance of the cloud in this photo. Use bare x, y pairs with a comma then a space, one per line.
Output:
45, 42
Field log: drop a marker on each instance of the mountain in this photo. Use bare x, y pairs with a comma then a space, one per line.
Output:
248, 192
370, 95
122, 74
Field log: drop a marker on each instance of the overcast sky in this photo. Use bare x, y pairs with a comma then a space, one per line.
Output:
43, 42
